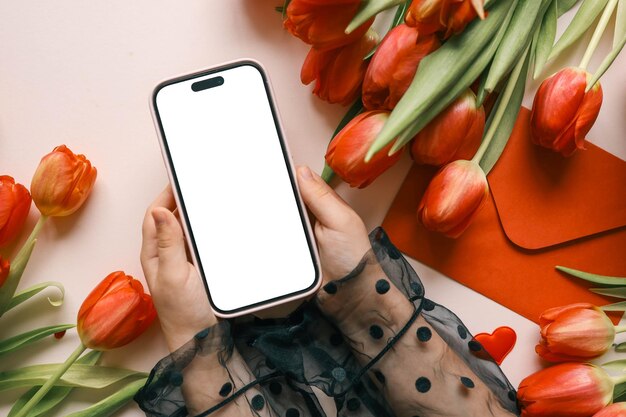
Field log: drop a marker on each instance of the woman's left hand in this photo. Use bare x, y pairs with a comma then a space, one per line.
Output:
177, 290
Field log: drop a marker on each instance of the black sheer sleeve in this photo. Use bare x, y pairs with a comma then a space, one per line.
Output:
370, 342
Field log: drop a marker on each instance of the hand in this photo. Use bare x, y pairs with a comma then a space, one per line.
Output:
177, 290
341, 235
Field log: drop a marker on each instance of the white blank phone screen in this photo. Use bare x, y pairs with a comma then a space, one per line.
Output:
233, 179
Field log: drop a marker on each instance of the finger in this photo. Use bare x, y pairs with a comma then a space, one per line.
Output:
323, 201
170, 244
149, 248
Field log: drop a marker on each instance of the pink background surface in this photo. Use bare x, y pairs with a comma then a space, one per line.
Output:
81, 73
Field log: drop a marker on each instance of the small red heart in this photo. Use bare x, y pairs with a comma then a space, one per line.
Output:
498, 344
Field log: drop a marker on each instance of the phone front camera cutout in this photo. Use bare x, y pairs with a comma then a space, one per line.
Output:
208, 83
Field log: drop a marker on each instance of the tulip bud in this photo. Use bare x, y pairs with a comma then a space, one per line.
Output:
447, 16
563, 113
338, 73
322, 23
115, 313
613, 410
346, 152
575, 332
4, 270
454, 134
565, 390
453, 198
62, 182
393, 66
14, 207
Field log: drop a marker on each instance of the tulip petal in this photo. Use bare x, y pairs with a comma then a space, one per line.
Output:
565, 390
15, 203
552, 313
587, 114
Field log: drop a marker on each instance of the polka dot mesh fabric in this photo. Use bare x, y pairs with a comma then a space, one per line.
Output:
370, 341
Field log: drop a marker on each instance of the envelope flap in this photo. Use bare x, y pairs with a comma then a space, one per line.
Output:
557, 199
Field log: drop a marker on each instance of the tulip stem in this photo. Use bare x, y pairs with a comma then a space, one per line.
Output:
597, 34
620, 329
50, 382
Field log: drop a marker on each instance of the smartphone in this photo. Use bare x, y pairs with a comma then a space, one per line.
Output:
227, 159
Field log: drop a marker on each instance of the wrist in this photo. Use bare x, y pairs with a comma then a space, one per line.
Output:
354, 301
177, 335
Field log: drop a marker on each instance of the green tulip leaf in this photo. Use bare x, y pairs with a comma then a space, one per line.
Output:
563, 6
442, 76
21, 340
112, 403
400, 13
620, 23
369, 9
585, 16
545, 38
606, 63
526, 17
619, 393
22, 296
621, 348
55, 396
77, 375
504, 114
595, 278
621, 306
616, 366
616, 292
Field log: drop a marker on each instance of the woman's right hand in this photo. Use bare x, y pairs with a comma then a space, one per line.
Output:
341, 235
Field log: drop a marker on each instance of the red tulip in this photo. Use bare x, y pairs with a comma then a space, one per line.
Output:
338, 73
393, 66
453, 198
4, 270
346, 152
322, 23
565, 390
563, 113
454, 134
575, 332
443, 16
14, 207
114, 313
62, 182
613, 410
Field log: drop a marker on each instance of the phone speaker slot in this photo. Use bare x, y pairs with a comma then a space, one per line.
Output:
206, 84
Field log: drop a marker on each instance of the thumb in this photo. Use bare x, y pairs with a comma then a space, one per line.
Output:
322, 200
170, 243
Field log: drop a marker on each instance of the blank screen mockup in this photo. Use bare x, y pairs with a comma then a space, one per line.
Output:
221, 138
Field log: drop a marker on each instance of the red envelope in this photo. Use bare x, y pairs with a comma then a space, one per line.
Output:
544, 210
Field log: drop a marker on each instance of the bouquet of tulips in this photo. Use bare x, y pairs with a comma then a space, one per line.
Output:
447, 82
112, 315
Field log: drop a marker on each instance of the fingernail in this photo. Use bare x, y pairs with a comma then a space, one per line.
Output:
305, 173
159, 217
